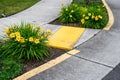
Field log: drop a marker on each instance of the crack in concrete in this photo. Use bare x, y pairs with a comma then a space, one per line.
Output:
92, 61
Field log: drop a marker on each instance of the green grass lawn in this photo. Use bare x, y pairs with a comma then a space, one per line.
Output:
10, 7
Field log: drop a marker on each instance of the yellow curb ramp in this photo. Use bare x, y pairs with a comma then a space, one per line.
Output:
47, 65
65, 37
110, 15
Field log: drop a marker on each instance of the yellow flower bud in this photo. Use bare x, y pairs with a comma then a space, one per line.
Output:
22, 40
100, 16
32, 26
70, 16
66, 9
82, 21
72, 11
87, 17
93, 17
49, 31
89, 14
99, 9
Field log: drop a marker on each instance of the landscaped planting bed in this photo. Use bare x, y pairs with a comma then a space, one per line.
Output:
82, 14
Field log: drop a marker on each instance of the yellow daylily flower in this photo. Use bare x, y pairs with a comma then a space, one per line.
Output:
93, 17
18, 38
96, 18
31, 39
12, 35
36, 41
17, 33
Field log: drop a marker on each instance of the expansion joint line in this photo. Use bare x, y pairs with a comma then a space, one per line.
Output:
92, 61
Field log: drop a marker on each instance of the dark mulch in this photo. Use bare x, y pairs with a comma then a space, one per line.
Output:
57, 22
53, 53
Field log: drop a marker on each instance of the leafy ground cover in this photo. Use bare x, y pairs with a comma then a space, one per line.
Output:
82, 14
9, 7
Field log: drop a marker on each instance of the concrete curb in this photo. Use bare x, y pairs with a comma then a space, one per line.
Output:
110, 15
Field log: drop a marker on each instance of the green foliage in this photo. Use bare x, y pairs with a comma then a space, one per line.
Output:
25, 41
10, 68
98, 18
70, 14
94, 17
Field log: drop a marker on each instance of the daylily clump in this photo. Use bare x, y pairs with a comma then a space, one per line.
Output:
26, 41
88, 16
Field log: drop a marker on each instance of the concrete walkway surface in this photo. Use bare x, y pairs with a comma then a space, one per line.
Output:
100, 51
97, 58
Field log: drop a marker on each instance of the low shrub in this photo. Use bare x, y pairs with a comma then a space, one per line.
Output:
10, 68
94, 17
25, 41
70, 14
89, 16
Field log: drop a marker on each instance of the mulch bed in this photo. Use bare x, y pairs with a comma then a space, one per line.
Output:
53, 53
57, 22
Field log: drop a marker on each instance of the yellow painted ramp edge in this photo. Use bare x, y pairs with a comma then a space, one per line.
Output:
65, 37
